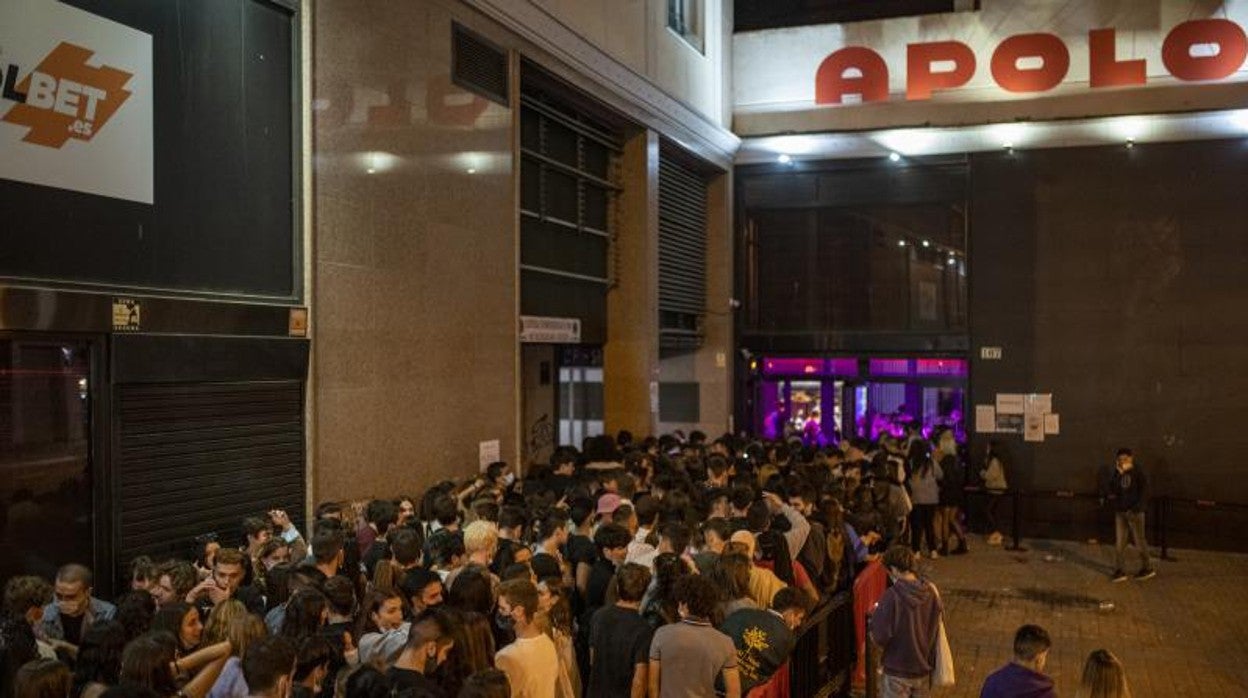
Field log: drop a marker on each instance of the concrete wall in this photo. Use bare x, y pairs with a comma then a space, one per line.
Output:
414, 272
1113, 278
414, 265
635, 33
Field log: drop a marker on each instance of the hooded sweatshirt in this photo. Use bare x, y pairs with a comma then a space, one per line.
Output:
905, 624
1017, 681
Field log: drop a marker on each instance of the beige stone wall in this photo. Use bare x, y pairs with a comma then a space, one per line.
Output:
414, 265
635, 33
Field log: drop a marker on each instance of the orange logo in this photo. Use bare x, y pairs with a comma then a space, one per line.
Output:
66, 98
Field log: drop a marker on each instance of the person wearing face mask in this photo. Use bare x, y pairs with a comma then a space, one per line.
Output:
531, 662
73, 608
429, 642
268, 668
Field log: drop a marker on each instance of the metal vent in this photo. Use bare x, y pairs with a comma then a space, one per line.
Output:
478, 65
199, 457
682, 254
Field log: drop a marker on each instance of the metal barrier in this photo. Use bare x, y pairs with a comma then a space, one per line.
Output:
823, 660
1083, 515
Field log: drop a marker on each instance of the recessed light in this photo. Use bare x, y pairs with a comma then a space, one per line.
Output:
952, 261
894, 156
926, 243
472, 170
784, 159
901, 243
371, 170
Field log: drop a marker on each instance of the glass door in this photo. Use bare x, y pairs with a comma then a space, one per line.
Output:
46, 498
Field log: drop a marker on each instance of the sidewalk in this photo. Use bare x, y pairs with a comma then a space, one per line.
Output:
1182, 633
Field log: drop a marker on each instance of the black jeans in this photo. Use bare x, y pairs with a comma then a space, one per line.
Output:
923, 525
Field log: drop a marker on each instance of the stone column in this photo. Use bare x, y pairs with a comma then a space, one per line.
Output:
631, 354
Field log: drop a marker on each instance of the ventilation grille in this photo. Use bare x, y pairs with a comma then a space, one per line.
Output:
198, 458
478, 65
682, 254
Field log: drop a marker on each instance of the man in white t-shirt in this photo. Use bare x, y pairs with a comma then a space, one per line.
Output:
530, 663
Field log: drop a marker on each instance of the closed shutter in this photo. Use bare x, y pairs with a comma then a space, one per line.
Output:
193, 458
682, 254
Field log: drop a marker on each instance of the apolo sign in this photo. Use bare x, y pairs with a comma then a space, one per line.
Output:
1193, 51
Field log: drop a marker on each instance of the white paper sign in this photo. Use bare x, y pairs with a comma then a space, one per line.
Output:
1041, 403
488, 452
535, 329
985, 419
1009, 403
654, 397
1052, 424
76, 108
1033, 427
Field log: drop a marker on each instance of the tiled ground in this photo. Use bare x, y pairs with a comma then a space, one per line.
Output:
1182, 633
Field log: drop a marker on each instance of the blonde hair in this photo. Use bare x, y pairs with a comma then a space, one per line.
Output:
947, 444
230, 620
480, 536
1103, 677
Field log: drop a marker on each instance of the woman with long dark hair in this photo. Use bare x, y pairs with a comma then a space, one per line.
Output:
659, 606
181, 620
306, 612
773, 554
98, 666
151, 661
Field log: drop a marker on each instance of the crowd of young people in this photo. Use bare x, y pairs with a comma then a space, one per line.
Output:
658, 567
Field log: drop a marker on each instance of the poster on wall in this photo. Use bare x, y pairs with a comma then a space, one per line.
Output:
1009, 423
985, 419
1033, 427
76, 103
1052, 424
1010, 403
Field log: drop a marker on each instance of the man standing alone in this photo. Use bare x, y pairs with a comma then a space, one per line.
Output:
1127, 488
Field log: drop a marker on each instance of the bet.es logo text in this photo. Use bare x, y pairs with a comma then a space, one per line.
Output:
63, 97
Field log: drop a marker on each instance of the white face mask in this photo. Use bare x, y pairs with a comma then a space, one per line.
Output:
509, 478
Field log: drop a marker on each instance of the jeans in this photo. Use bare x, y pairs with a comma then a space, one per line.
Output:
1130, 522
897, 687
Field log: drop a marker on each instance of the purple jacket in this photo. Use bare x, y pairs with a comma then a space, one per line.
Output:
905, 624
1016, 681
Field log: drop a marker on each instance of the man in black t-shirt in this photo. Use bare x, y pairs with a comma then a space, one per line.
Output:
619, 639
765, 638
429, 642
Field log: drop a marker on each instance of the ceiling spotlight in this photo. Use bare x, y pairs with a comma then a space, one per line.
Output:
952, 261
1130, 142
901, 243
472, 170
784, 159
926, 243
1009, 147
894, 156
371, 170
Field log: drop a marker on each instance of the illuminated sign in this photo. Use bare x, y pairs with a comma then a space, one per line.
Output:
1193, 51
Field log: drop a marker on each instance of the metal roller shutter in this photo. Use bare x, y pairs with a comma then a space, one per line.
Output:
193, 458
682, 254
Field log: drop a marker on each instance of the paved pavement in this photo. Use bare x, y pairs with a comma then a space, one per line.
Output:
1181, 633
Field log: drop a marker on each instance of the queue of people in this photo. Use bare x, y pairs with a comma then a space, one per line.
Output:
658, 567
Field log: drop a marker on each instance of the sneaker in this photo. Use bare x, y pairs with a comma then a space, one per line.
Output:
1146, 574
1118, 576
934, 555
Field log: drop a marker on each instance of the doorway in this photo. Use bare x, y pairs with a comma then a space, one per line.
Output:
47, 468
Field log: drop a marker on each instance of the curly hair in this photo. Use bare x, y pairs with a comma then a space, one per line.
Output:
24, 593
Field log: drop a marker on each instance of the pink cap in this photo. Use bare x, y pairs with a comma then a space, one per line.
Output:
608, 503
